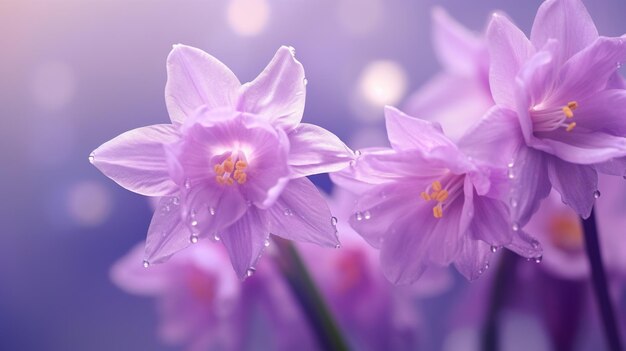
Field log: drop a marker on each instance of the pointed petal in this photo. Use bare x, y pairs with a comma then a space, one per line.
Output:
454, 101
615, 166
473, 258
136, 160
406, 132
457, 48
301, 214
589, 70
491, 221
278, 93
129, 274
525, 245
508, 50
604, 111
568, 22
167, 233
529, 184
315, 150
582, 146
244, 241
575, 183
195, 78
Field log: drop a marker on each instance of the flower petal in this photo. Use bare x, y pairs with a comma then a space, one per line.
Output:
575, 183
406, 132
315, 150
604, 111
508, 50
589, 70
167, 234
615, 166
525, 245
473, 258
278, 93
491, 221
529, 184
568, 22
244, 241
451, 41
195, 78
136, 159
583, 146
301, 214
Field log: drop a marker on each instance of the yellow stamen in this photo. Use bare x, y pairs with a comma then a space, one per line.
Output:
572, 105
442, 195
425, 196
568, 112
437, 211
570, 126
219, 170
240, 165
241, 178
219, 180
436, 186
229, 181
228, 165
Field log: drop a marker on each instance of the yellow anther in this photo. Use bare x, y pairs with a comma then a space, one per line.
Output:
568, 112
570, 126
219, 170
442, 195
436, 186
572, 105
240, 165
241, 178
228, 165
229, 181
219, 180
437, 211
425, 196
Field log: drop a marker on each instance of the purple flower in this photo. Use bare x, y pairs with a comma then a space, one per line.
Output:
202, 306
427, 202
561, 90
458, 96
232, 166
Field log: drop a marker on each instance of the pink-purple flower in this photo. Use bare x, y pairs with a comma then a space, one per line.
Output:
232, 165
561, 89
428, 202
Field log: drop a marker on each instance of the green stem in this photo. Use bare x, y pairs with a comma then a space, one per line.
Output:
299, 280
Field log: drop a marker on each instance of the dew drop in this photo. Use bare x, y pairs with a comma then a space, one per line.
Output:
513, 202
146, 264
250, 271
619, 65
266, 243
358, 153
292, 50
288, 212
305, 82
212, 211
194, 223
187, 184
511, 164
333, 221
538, 259
596, 194
216, 237
535, 244
338, 246
358, 216
510, 174
176, 201
494, 249
193, 238
92, 157
367, 215
166, 208
515, 227
486, 266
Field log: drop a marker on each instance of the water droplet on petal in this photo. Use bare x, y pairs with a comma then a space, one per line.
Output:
333, 221
292, 50
176, 200
288, 212
358, 153
193, 238
266, 243
338, 246
494, 249
358, 216
187, 184
535, 244
367, 215
146, 264
513, 202
216, 237
305, 81
486, 266
166, 208
596, 194
194, 223
250, 271
538, 259
92, 157
510, 174
511, 164
515, 227
212, 211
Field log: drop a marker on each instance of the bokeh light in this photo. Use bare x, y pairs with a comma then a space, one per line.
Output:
248, 17
88, 203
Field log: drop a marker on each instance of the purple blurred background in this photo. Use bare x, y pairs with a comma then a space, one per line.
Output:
77, 73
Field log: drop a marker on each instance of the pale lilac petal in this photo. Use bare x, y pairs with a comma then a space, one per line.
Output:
136, 160
582, 146
473, 258
406, 132
278, 93
301, 214
508, 49
491, 224
498, 130
529, 184
525, 245
604, 111
616, 82
130, 274
615, 166
454, 101
194, 79
245, 241
568, 22
452, 41
315, 150
168, 233
588, 71
575, 183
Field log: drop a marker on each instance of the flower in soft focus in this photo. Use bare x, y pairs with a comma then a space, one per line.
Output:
232, 166
560, 88
458, 96
426, 202
372, 313
202, 306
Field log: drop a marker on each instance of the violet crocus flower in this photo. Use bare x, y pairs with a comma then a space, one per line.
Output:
458, 96
232, 166
561, 90
428, 202
204, 307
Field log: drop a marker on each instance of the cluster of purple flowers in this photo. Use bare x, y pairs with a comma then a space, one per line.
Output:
512, 129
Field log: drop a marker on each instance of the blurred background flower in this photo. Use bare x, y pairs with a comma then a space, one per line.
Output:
76, 73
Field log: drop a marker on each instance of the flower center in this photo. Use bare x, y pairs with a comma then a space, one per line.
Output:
552, 119
441, 194
229, 171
